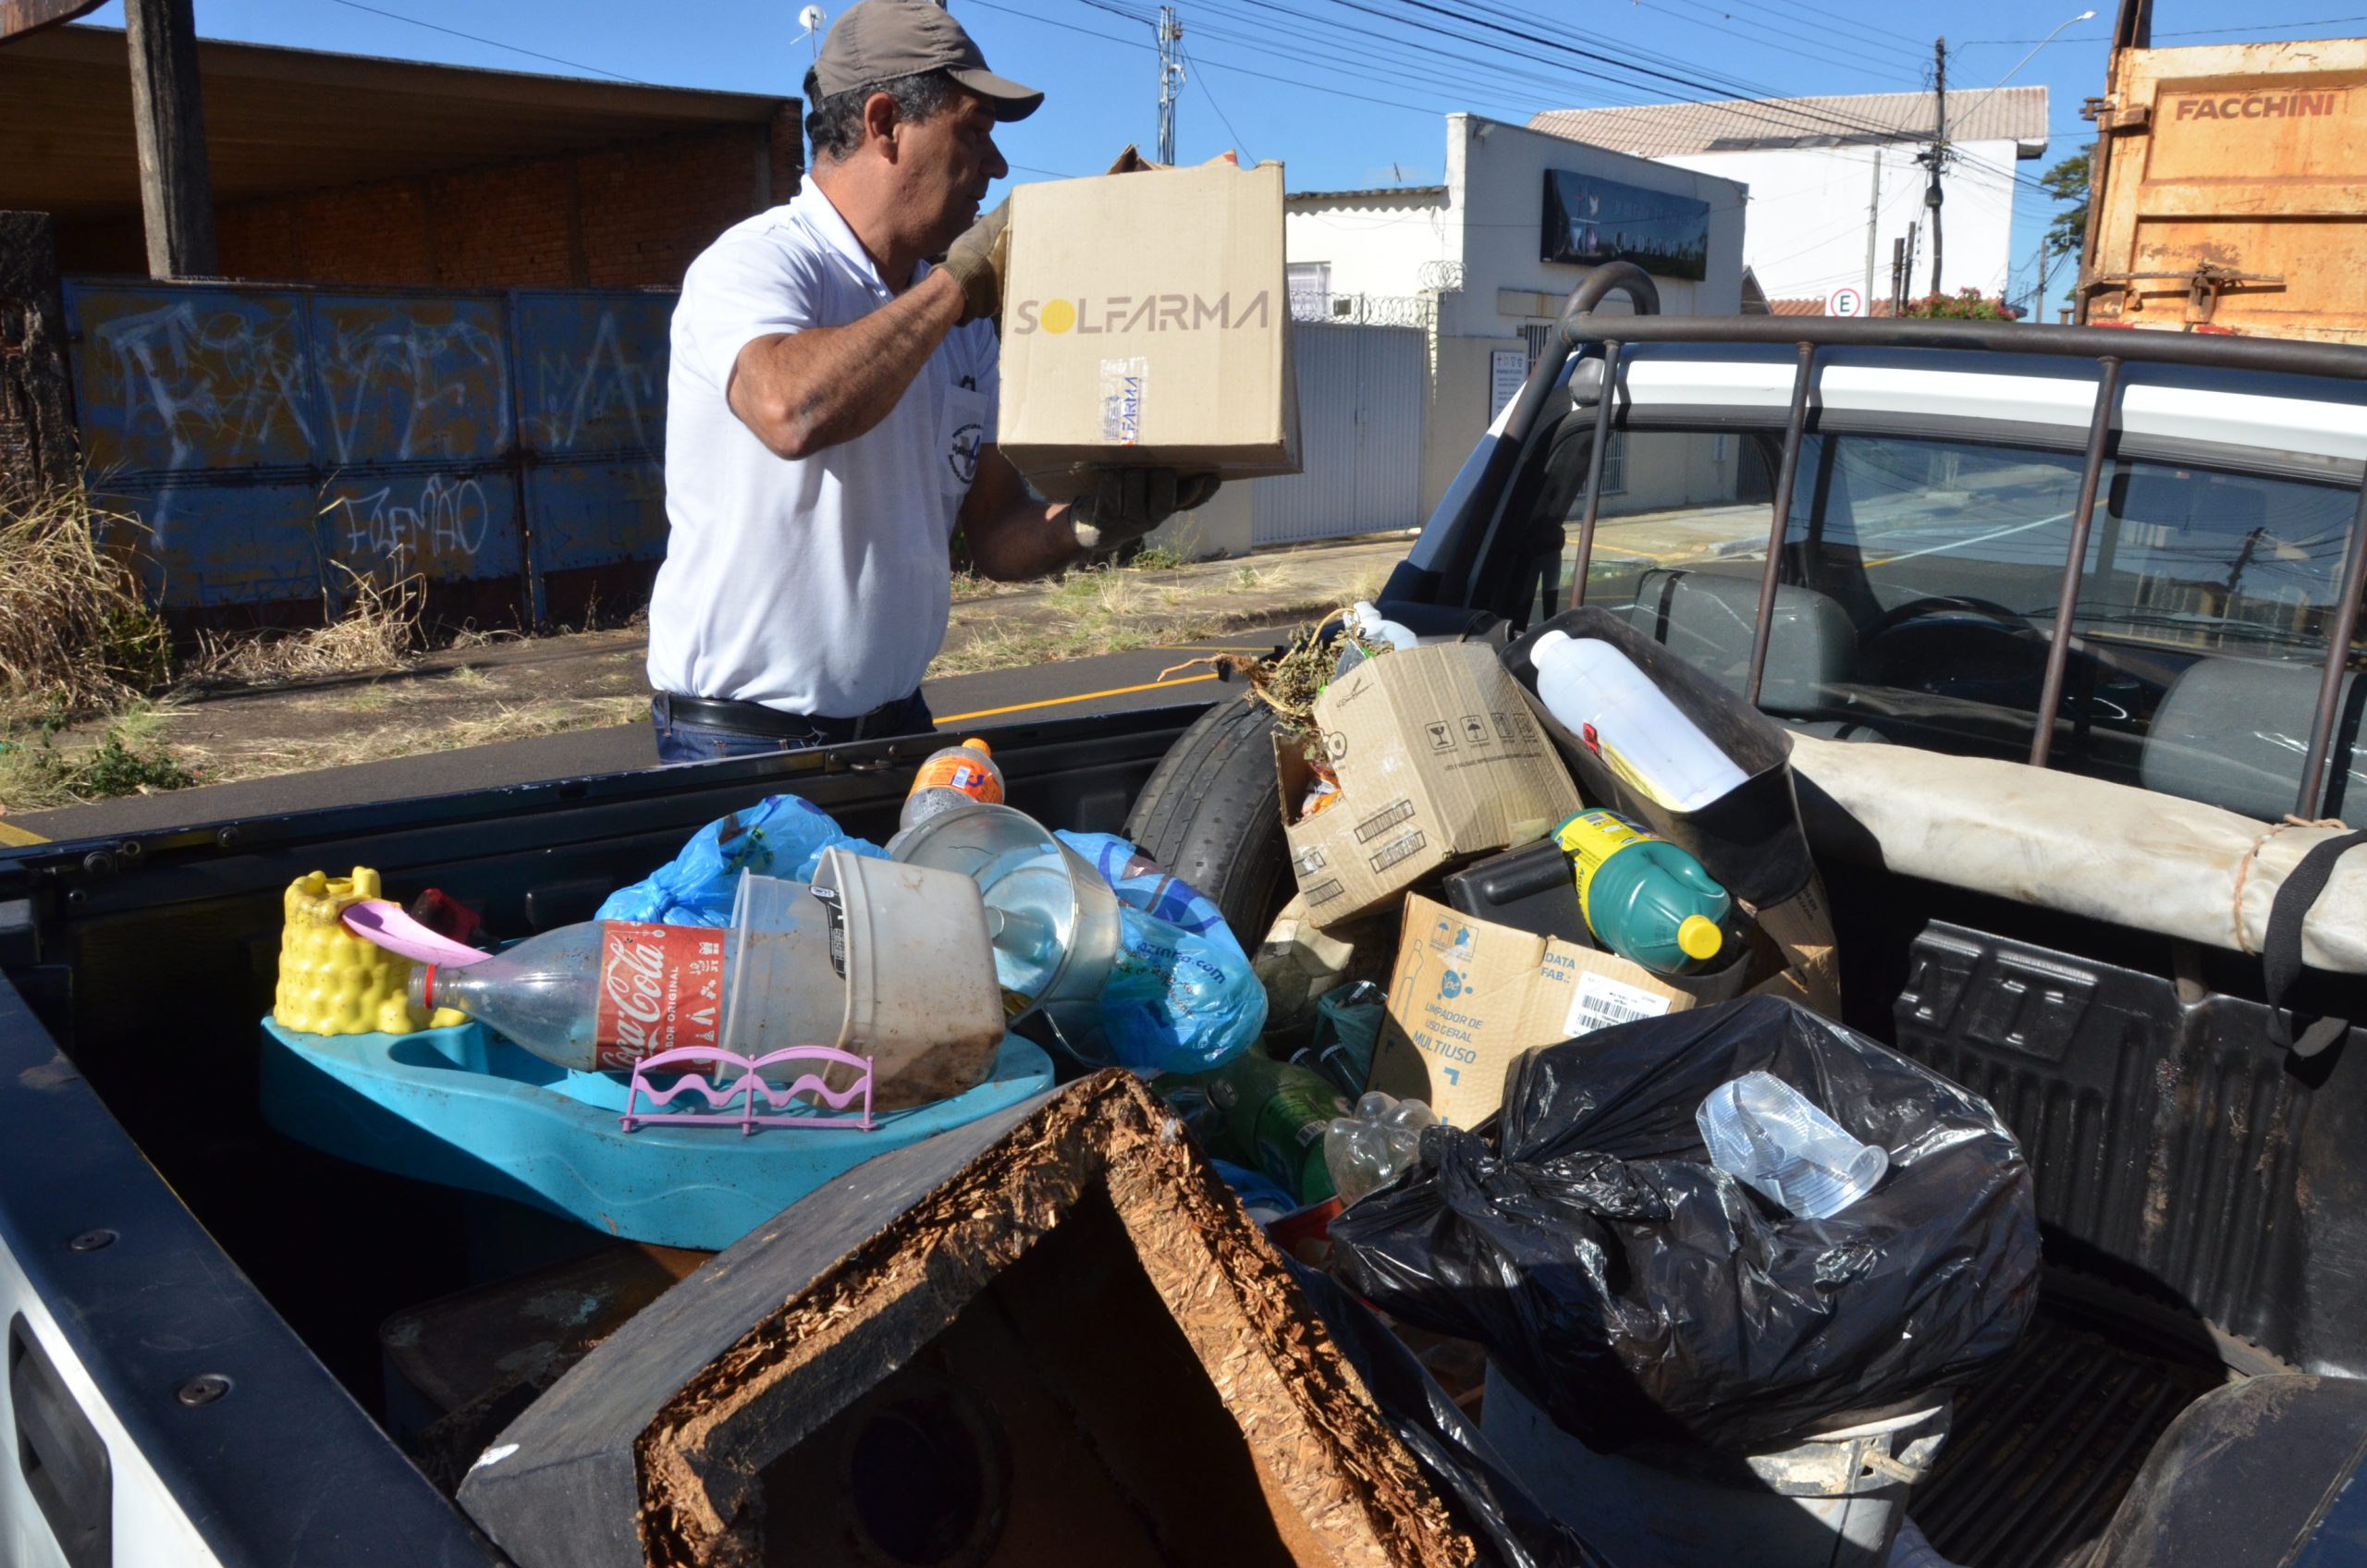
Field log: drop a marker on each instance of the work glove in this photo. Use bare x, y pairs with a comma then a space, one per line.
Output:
1126, 503
976, 262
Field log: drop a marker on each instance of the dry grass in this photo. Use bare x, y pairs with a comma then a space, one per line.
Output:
420, 731
76, 634
378, 630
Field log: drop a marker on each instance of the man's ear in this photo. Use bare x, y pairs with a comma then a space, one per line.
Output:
879, 122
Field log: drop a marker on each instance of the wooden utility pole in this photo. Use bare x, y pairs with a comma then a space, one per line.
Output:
175, 196
38, 447
1933, 194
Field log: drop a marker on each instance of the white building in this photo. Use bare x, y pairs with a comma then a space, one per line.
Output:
1486, 260
1834, 186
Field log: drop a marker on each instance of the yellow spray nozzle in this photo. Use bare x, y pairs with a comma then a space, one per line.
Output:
1699, 937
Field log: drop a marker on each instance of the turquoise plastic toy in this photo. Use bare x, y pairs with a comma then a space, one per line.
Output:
462, 1108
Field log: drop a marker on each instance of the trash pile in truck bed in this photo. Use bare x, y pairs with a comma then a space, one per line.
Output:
1518, 1199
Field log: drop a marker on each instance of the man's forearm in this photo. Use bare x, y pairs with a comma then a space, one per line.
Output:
1034, 541
804, 391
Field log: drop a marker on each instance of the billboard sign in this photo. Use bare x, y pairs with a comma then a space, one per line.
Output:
1590, 220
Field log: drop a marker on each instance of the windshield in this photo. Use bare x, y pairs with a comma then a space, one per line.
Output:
1917, 588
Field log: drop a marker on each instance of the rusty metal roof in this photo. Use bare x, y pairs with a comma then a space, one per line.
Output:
1660, 130
1371, 193
282, 120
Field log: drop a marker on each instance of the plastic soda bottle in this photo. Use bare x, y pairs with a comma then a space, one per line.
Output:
956, 775
1643, 898
596, 996
1268, 1114
1616, 710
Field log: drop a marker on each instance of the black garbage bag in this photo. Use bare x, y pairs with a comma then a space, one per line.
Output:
1507, 1526
1634, 1291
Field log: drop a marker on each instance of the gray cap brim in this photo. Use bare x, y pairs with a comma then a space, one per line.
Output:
1010, 101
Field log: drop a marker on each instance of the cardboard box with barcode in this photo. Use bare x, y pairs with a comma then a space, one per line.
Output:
1467, 996
1439, 760
1145, 324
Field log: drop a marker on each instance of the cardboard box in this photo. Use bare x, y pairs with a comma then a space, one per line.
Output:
1146, 323
1439, 759
1468, 996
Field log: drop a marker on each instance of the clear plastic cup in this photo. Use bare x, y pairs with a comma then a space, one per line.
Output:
1768, 1135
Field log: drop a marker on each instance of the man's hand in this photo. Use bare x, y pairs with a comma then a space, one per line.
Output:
1129, 502
976, 262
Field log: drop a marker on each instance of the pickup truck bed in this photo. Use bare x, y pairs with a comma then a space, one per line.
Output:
2174, 1162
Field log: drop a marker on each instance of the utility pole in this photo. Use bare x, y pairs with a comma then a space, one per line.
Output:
175, 193
1170, 80
1939, 154
1874, 219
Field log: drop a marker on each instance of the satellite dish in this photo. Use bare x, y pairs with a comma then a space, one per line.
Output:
810, 18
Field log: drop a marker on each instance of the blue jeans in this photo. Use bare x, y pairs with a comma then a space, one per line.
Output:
680, 741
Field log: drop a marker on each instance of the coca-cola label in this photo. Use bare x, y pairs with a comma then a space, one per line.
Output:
661, 990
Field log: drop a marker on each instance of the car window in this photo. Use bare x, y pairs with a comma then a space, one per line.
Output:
1918, 583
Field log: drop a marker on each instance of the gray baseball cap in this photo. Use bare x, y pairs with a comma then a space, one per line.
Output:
882, 40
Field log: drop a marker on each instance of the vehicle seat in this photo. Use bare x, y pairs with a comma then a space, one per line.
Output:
2234, 733
1708, 619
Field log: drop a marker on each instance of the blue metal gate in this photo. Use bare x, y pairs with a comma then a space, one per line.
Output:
278, 443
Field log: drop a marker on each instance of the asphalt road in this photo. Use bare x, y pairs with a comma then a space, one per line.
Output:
1112, 683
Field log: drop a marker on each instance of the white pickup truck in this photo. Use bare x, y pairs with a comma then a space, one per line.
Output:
2062, 622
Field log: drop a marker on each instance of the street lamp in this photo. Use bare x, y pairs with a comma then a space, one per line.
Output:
2067, 21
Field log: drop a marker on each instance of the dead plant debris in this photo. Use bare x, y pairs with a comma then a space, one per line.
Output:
76, 631
1288, 682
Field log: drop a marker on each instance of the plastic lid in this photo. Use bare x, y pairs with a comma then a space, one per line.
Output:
1700, 937
972, 740
1546, 640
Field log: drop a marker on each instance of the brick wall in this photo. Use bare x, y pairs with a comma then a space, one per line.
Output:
619, 216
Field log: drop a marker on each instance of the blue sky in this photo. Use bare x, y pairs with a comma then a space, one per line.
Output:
1347, 93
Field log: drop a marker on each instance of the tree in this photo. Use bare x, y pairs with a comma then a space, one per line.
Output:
1968, 304
2067, 181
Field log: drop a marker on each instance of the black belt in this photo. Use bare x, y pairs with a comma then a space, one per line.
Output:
755, 718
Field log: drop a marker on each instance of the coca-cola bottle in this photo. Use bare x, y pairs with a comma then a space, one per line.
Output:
596, 996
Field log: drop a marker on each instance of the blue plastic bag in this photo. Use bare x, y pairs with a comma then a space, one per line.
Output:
1181, 996
780, 835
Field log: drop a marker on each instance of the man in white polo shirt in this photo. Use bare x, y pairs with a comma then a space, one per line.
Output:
830, 415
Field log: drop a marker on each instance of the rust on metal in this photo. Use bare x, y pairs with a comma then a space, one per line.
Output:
2229, 184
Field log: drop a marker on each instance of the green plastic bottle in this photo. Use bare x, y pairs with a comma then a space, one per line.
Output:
1645, 898
1268, 1114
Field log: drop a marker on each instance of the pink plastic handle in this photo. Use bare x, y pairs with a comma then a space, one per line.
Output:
383, 922
746, 1090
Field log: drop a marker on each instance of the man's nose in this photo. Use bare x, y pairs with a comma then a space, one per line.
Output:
996, 167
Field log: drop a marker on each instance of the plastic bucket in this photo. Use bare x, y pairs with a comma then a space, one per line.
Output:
1055, 921
887, 962
1834, 1500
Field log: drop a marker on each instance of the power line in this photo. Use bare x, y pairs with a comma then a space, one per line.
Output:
494, 42
1201, 77
2253, 29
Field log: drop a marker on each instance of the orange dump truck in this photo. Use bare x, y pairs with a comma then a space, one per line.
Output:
2229, 188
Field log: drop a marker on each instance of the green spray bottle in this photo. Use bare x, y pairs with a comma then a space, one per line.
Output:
1643, 898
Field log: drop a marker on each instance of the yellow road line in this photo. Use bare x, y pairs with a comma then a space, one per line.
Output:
1080, 697
18, 839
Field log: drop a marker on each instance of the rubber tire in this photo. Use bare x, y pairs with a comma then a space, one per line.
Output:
1212, 813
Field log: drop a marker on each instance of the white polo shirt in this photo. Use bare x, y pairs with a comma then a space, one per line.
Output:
820, 584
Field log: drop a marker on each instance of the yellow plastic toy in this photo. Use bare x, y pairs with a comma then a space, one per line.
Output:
331, 981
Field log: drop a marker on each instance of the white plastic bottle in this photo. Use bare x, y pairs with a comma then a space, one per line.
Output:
955, 776
1373, 628
1600, 696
